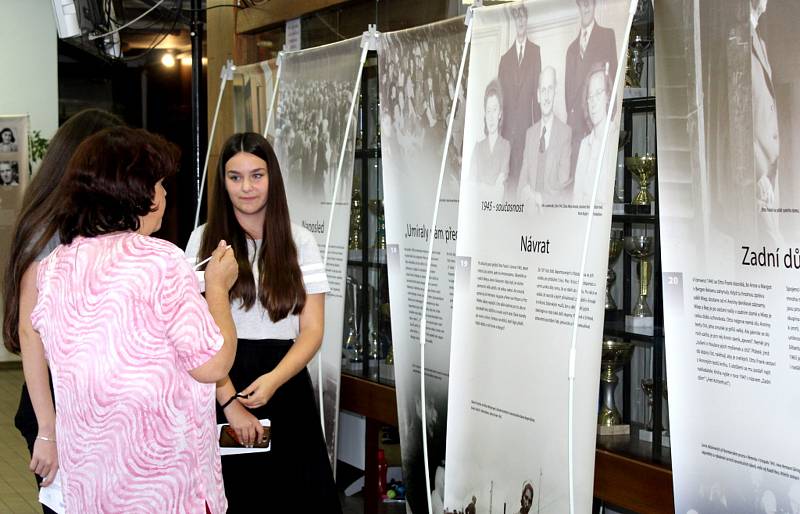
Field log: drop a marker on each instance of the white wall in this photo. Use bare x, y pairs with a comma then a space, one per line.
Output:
29, 68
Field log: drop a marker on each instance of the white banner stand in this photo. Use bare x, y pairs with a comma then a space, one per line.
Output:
369, 41
226, 74
274, 94
422, 321
571, 376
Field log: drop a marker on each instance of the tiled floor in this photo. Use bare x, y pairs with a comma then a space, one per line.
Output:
18, 491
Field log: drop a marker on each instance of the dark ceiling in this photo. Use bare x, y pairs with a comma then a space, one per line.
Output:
163, 26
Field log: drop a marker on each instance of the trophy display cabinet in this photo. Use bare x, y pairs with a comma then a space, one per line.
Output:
633, 415
367, 342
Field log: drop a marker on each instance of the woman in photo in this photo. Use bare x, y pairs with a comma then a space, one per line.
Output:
34, 237
490, 157
278, 308
8, 143
133, 347
597, 91
8, 173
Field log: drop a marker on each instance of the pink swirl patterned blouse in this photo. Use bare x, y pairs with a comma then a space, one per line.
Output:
122, 322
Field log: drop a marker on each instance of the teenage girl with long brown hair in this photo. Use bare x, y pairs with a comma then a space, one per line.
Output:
278, 305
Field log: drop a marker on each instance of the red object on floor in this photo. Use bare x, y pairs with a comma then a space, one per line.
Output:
383, 467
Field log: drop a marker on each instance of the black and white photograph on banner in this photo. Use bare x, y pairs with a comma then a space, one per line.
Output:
417, 73
518, 76
541, 123
313, 114
541, 150
9, 173
8, 141
594, 47
744, 164
252, 86
730, 228
727, 491
417, 88
314, 98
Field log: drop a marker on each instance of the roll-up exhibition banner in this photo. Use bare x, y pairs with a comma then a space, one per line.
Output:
253, 87
729, 182
542, 125
314, 97
14, 175
417, 70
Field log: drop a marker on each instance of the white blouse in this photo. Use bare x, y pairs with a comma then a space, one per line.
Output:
255, 323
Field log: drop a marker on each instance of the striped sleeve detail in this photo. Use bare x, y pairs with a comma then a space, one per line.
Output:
315, 278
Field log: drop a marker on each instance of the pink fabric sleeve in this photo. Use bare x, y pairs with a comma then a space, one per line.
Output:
189, 325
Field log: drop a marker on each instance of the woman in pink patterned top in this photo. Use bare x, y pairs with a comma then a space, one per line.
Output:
133, 347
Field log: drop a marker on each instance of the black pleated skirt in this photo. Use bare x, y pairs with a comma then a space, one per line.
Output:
295, 475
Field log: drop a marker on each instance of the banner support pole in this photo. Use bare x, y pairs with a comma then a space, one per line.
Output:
274, 93
225, 75
369, 41
572, 350
423, 321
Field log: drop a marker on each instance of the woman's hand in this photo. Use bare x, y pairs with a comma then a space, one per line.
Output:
248, 429
44, 461
260, 391
222, 270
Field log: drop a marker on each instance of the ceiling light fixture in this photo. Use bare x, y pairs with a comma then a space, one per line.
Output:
168, 60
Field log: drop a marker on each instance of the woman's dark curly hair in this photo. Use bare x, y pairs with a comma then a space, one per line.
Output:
110, 181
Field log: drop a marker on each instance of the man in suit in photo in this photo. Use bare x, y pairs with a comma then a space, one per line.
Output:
518, 75
546, 174
766, 137
594, 44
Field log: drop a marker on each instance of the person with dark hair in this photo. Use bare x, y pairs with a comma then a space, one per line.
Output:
278, 308
526, 498
471, 508
133, 348
8, 143
596, 95
518, 75
490, 158
594, 46
34, 237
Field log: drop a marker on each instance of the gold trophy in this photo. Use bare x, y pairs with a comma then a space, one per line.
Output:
615, 355
355, 220
641, 248
614, 249
644, 169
